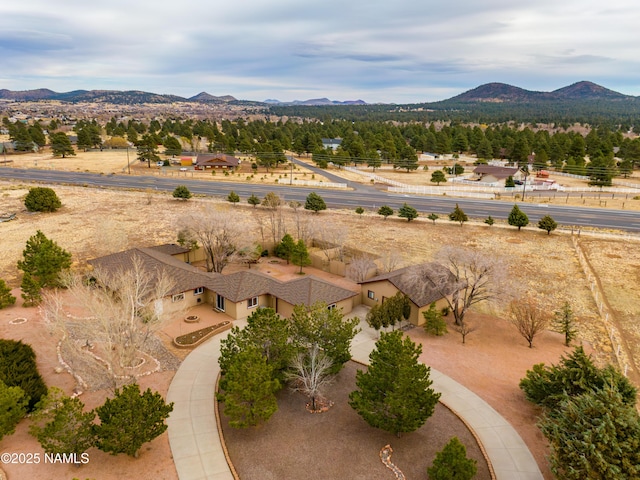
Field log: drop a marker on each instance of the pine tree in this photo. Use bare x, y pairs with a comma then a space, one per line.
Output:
548, 224
315, 203
13, 408
385, 211
564, 322
30, 291
61, 145
434, 323
248, 389
458, 215
594, 435
433, 217
44, 260
6, 299
300, 255
517, 218
407, 212
438, 177
285, 248
233, 197
61, 425
489, 220
130, 419
253, 201
452, 463
394, 393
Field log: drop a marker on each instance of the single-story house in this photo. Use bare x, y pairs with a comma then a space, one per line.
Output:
235, 294
411, 281
494, 174
219, 160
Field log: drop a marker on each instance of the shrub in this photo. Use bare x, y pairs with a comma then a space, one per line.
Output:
451, 463
42, 199
182, 192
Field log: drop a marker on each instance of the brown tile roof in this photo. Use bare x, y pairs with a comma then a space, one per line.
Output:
234, 287
241, 285
184, 276
309, 290
422, 294
498, 172
217, 160
170, 249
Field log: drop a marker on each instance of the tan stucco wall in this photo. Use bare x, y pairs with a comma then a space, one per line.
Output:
384, 288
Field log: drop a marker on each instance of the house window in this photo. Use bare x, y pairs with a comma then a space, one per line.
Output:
331, 307
177, 297
252, 302
198, 291
371, 294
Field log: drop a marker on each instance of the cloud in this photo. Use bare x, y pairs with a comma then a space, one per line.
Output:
398, 51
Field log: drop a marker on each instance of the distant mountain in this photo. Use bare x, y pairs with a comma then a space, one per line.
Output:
587, 91
502, 92
128, 97
207, 98
27, 95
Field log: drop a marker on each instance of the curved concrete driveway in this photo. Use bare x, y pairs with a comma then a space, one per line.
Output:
197, 451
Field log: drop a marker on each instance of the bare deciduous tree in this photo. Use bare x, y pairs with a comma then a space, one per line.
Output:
122, 310
333, 238
465, 329
469, 277
391, 260
529, 318
273, 204
359, 267
311, 374
218, 233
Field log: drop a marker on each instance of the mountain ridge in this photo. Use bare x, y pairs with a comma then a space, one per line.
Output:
494, 92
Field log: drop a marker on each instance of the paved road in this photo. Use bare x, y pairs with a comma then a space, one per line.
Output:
364, 196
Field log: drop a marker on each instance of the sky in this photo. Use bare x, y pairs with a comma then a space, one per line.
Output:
401, 51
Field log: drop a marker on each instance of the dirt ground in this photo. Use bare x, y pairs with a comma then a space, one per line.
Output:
95, 222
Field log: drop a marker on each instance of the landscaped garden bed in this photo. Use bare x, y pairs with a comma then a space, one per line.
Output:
196, 337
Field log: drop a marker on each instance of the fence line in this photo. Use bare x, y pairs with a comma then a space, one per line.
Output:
621, 354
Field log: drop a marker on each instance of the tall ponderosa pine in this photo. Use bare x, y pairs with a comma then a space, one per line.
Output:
394, 393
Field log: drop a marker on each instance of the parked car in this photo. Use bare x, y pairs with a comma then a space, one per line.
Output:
183, 169
159, 164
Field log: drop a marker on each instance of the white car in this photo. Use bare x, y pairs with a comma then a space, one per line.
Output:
183, 169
